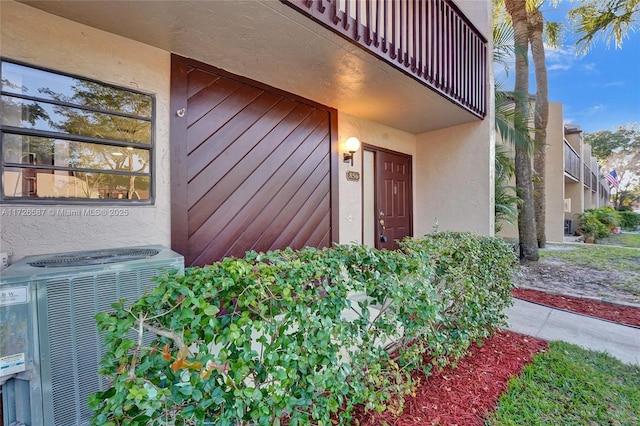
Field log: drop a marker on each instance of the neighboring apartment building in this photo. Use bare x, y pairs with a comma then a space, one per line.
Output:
585, 186
214, 127
573, 180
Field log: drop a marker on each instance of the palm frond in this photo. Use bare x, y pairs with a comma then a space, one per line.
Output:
611, 20
513, 127
553, 33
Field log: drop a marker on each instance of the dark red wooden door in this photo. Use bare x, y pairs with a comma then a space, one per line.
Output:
251, 166
393, 198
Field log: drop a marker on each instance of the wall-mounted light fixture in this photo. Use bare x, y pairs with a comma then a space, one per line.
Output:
351, 145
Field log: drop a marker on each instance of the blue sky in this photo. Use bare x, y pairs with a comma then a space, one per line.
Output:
598, 91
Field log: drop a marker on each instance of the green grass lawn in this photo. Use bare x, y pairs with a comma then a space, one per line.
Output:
623, 261
568, 385
597, 256
624, 240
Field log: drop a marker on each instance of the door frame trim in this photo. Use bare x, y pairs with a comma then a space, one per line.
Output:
376, 149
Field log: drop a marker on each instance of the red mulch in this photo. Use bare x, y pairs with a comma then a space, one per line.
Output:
620, 314
464, 395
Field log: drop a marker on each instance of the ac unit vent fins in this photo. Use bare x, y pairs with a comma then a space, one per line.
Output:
95, 257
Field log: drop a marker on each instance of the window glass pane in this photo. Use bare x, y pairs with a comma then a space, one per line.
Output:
41, 84
35, 183
45, 116
36, 103
82, 155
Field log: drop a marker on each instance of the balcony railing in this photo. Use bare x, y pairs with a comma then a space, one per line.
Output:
571, 161
604, 193
586, 179
431, 41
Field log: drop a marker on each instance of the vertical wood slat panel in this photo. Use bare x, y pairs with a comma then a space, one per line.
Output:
252, 164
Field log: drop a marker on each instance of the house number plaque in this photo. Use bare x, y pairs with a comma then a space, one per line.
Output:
355, 176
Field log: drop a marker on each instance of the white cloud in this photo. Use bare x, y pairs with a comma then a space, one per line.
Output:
560, 67
561, 58
590, 67
596, 109
564, 58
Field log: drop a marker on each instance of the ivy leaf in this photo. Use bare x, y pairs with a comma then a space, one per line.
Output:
165, 353
211, 310
177, 364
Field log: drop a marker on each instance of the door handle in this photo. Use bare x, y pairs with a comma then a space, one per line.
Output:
383, 238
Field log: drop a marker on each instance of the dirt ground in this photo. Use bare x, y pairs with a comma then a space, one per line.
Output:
557, 277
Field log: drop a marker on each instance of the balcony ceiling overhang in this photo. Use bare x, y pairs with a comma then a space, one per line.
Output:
569, 179
269, 42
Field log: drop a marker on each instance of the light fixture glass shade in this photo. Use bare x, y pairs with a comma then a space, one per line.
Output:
352, 144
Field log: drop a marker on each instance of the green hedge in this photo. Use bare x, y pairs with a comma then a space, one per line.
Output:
302, 336
599, 223
629, 221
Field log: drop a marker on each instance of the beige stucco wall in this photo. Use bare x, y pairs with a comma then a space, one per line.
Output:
455, 177
42, 39
574, 192
554, 175
554, 180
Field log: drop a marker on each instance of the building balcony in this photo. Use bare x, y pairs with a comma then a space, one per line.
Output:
571, 163
586, 179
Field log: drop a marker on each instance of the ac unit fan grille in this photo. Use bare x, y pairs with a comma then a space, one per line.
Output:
95, 257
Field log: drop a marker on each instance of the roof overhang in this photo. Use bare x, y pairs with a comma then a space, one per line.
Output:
269, 42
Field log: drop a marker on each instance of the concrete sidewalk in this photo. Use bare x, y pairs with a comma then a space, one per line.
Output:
543, 322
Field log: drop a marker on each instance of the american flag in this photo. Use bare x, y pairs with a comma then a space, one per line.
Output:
612, 178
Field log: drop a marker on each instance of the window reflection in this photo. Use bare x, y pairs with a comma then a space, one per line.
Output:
29, 182
81, 155
27, 81
67, 137
55, 118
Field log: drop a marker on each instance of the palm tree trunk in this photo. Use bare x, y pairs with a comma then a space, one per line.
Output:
524, 185
541, 119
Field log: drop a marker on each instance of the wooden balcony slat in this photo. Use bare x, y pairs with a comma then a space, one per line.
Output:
431, 45
367, 25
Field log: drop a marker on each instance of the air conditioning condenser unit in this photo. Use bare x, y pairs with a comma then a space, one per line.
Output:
50, 346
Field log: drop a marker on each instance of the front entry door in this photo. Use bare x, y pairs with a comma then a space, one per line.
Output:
393, 200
